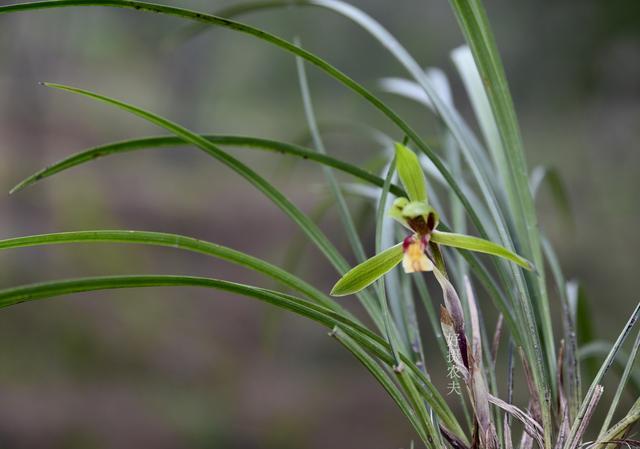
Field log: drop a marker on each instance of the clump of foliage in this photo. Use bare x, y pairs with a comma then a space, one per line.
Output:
488, 189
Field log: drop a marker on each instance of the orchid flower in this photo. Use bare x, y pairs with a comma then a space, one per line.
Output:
422, 221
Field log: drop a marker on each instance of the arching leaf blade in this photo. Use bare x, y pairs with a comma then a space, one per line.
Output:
160, 142
180, 242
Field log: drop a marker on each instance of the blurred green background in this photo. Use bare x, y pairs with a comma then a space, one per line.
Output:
179, 368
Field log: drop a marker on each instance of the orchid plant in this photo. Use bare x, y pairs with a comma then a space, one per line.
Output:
488, 183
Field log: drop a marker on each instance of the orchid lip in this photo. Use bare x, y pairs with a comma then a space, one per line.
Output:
415, 258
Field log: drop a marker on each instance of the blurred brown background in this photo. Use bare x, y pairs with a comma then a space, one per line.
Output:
179, 368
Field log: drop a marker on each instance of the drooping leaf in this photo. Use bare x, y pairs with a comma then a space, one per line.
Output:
411, 173
175, 241
471, 243
159, 142
50, 289
369, 271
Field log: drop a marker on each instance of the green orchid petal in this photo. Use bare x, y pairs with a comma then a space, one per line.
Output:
479, 245
369, 271
396, 211
416, 208
411, 173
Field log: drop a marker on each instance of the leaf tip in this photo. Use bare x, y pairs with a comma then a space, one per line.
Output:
21, 185
338, 291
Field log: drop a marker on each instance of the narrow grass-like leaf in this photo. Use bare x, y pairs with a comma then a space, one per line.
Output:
471, 243
369, 271
51, 289
442, 106
531, 426
585, 418
278, 198
180, 242
152, 143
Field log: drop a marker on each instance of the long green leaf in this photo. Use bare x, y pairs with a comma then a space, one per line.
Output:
158, 142
366, 273
584, 321
16, 295
180, 242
